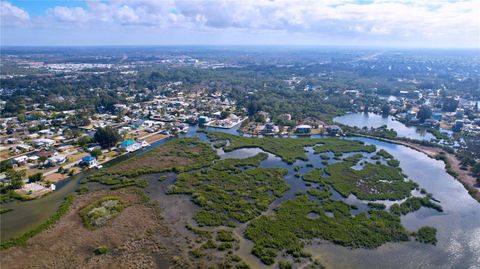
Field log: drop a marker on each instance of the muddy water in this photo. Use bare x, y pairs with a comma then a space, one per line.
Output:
458, 226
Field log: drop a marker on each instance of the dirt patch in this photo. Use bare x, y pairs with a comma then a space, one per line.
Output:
154, 138
136, 238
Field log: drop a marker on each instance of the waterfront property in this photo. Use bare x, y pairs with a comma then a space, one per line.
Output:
130, 145
303, 129
89, 161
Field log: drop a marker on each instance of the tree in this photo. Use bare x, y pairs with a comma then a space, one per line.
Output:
84, 140
5, 165
42, 159
96, 153
449, 104
385, 109
35, 177
424, 113
106, 137
225, 114
16, 178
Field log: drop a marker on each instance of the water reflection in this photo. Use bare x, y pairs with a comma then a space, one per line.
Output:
370, 120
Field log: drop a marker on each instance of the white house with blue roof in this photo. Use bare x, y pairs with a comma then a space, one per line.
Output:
130, 145
89, 161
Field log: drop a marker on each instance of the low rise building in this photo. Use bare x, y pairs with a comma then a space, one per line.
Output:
130, 145
303, 129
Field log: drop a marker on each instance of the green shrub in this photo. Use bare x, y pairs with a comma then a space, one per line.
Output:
427, 235
224, 246
225, 236
101, 212
101, 250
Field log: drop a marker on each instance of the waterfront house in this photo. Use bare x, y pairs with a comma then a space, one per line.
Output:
130, 145
303, 129
143, 143
89, 161
270, 129
334, 130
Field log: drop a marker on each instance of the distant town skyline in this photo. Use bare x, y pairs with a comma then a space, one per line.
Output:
403, 23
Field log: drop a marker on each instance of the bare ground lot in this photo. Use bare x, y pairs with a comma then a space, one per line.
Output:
136, 238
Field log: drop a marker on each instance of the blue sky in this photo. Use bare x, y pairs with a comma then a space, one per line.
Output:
402, 23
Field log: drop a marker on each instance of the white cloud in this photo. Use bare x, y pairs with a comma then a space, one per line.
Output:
400, 19
70, 15
12, 15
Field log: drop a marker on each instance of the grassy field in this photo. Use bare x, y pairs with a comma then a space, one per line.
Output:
232, 190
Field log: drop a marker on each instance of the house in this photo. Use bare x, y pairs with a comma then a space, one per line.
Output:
303, 129
21, 160
33, 158
143, 143
270, 129
411, 115
24, 147
203, 120
437, 116
457, 127
45, 132
56, 159
89, 161
334, 130
43, 142
130, 145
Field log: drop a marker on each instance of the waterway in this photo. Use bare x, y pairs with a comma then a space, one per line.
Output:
370, 120
458, 227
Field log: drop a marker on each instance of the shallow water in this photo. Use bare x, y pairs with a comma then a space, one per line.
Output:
369, 120
458, 227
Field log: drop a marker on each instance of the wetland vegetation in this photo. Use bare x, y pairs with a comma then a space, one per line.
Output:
231, 190
289, 149
102, 211
413, 204
177, 155
290, 226
372, 182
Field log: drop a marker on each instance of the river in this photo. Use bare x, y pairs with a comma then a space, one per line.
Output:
458, 226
